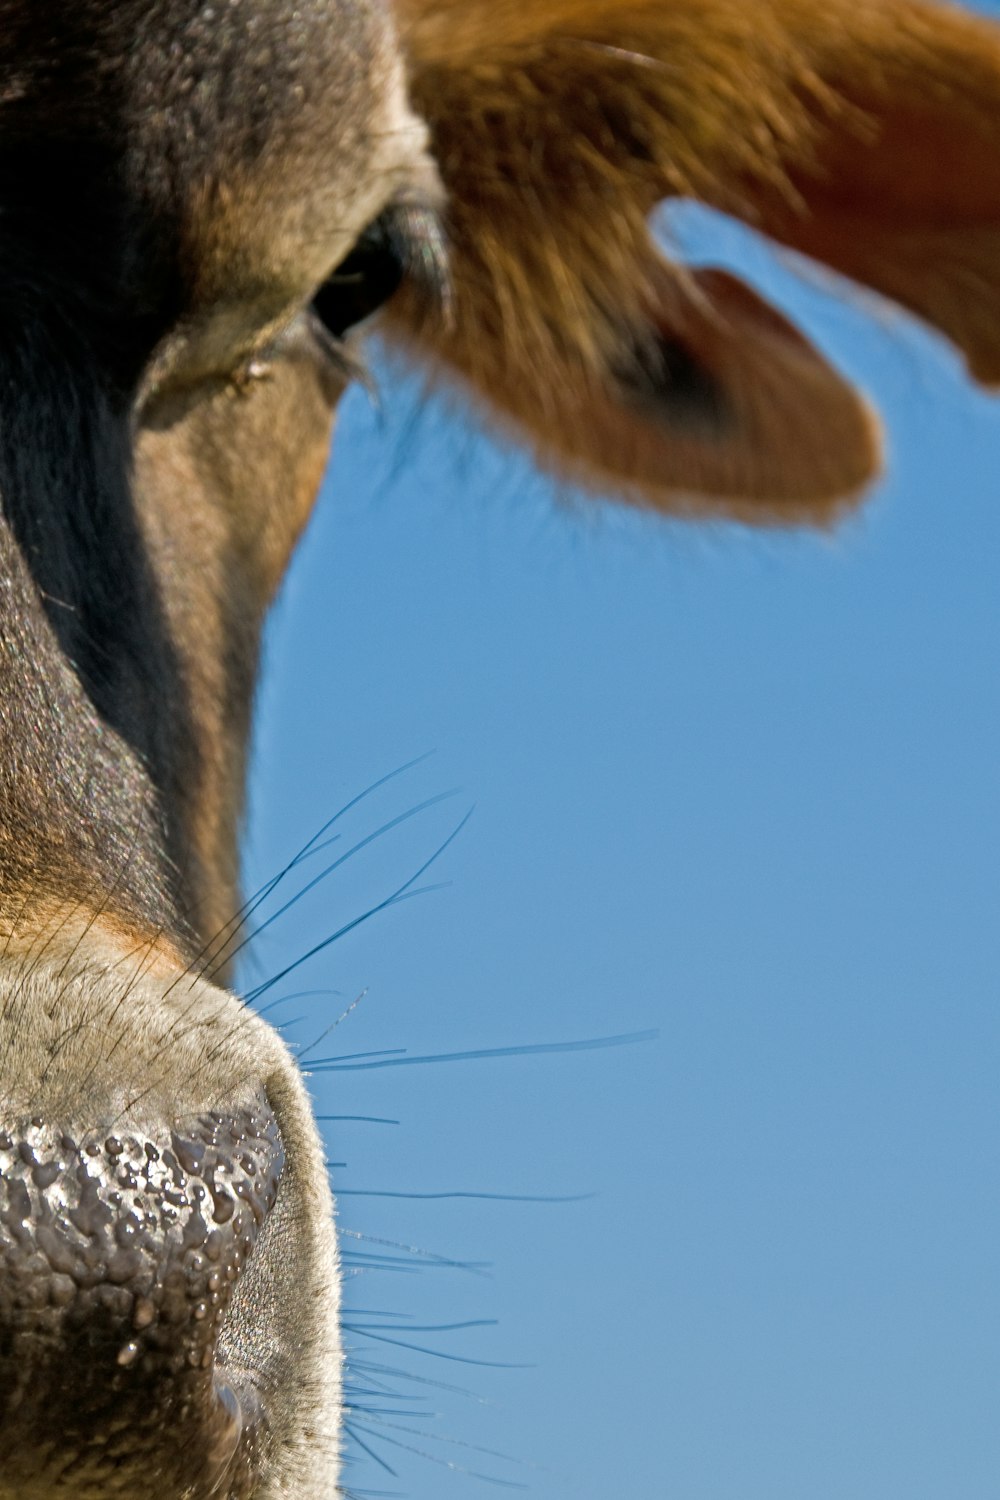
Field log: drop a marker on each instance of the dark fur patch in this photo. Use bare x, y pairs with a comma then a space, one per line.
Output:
669, 381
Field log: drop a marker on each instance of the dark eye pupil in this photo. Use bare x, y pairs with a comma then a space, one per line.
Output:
364, 280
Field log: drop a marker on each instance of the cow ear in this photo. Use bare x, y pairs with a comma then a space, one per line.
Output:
900, 186
863, 134
705, 399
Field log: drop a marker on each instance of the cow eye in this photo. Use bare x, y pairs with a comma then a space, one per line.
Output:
364, 281
404, 242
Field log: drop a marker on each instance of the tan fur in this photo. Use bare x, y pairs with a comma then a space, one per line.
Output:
223, 506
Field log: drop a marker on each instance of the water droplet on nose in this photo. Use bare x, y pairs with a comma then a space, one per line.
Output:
128, 1354
143, 1314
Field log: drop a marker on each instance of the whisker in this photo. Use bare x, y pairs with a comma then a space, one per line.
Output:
336, 864
343, 1192
427, 1257
297, 995
461, 1359
507, 1484
247, 909
347, 1064
436, 1437
400, 893
305, 1051
368, 1368
356, 1120
352, 1434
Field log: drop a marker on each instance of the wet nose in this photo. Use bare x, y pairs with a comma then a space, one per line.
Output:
120, 1253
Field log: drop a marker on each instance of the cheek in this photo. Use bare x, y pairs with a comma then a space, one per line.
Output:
275, 505
298, 484
309, 464
274, 441
233, 476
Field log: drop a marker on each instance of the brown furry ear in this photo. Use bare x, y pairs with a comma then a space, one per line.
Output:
900, 185
866, 135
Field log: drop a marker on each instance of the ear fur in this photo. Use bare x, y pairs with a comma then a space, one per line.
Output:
863, 132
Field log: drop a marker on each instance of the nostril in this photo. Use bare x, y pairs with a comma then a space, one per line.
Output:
119, 1255
225, 1431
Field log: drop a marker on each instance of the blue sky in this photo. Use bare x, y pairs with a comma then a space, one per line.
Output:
738, 788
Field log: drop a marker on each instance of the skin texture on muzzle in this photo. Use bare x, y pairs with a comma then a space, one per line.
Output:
162, 1288
118, 1259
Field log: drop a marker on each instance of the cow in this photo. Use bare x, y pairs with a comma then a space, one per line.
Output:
201, 205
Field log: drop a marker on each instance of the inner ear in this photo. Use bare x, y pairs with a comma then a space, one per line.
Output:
663, 374
701, 399
725, 405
